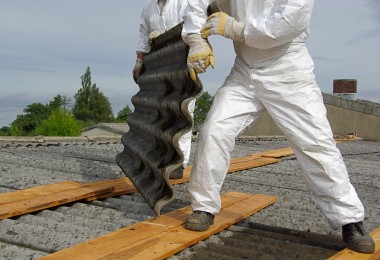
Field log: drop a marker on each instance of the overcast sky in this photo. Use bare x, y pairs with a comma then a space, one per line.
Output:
46, 45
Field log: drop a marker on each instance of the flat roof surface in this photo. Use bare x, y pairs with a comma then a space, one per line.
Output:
294, 216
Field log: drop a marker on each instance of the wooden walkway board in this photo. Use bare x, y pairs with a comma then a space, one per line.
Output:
121, 186
348, 254
37, 191
47, 196
162, 237
237, 164
276, 153
256, 162
41, 202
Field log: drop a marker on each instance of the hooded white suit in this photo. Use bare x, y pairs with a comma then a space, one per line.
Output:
273, 72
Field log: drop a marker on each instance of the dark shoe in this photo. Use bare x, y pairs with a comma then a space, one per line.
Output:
177, 173
357, 238
199, 221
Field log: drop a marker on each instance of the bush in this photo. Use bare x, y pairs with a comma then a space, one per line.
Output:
59, 123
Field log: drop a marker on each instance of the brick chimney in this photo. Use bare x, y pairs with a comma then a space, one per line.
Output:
345, 88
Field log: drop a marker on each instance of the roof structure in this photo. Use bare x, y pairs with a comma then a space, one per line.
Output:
106, 129
290, 228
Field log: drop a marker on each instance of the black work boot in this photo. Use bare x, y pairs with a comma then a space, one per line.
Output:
177, 173
357, 238
199, 221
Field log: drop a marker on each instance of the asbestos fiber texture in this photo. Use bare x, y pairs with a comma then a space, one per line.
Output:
160, 118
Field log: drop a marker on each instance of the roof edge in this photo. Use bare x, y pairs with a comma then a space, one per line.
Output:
363, 106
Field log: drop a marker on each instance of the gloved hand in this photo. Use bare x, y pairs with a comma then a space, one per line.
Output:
137, 69
200, 55
154, 35
225, 25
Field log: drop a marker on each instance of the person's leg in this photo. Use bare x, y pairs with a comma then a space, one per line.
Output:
296, 105
185, 146
185, 140
234, 108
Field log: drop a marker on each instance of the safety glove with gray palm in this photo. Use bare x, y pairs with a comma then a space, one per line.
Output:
222, 24
200, 55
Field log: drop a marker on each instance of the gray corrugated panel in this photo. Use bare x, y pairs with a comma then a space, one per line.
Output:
9, 251
54, 166
247, 241
295, 213
32, 236
160, 118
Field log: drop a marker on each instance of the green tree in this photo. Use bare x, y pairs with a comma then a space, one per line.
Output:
202, 106
56, 103
59, 102
122, 114
33, 115
59, 123
90, 103
5, 130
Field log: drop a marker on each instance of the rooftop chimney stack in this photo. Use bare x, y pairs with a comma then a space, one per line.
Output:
345, 88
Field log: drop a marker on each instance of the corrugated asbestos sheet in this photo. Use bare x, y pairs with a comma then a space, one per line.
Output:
160, 118
292, 228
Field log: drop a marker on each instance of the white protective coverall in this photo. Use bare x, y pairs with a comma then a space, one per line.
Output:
273, 72
154, 22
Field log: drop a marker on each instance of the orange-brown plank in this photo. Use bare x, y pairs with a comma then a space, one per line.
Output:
125, 186
349, 139
244, 158
277, 153
37, 191
115, 187
51, 200
260, 161
162, 237
348, 254
120, 186
133, 234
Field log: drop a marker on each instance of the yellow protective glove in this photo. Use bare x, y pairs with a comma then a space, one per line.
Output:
225, 25
200, 55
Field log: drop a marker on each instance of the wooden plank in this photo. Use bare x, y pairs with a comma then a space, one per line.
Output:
45, 195
121, 186
51, 200
348, 254
124, 185
260, 161
37, 191
277, 153
244, 159
162, 237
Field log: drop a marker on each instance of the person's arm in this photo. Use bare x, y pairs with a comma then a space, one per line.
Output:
200, 54
143, 43
286, 21
142, 46
195, 16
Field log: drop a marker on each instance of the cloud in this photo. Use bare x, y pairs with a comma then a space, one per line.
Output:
46, 46
13, 104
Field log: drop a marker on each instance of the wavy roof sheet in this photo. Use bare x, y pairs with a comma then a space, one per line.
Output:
160, 118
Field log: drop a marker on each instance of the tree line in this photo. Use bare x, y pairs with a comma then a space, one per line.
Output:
91, 106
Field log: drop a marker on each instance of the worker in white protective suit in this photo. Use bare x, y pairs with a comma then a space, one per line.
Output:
273, 72
157, 17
